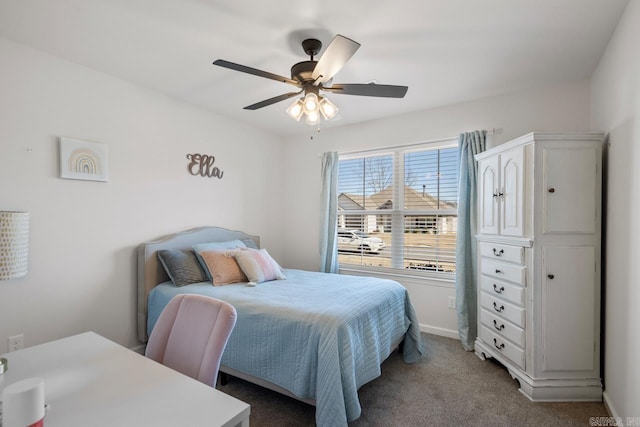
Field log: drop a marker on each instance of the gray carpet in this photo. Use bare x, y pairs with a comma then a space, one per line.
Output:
447, 387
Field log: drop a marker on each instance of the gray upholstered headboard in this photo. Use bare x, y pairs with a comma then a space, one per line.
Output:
151, 272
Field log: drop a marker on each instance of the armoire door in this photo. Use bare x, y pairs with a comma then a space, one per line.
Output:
511, 192
571, 185
488, 170
568, 311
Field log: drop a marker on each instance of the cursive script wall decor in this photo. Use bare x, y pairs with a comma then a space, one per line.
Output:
202, 164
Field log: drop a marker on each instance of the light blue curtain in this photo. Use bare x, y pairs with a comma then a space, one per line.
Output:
470, 144
328, 214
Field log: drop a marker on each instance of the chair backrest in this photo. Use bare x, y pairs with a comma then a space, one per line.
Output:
191, 334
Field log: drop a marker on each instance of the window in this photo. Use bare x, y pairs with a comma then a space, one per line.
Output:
398, 209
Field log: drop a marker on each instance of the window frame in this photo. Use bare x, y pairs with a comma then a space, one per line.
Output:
398, 214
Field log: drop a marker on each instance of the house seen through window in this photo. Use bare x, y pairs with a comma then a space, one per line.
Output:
398, 209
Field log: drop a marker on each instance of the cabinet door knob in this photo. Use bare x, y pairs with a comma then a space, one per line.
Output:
552, 190
498, 290
496, 308
550, 276
498, 271
495, 344
495, 194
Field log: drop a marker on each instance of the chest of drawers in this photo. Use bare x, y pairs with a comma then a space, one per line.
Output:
502, 303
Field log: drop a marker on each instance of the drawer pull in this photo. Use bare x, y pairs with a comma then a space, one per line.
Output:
496, 308
495, 325
495, 344
498, 253
550, 276
498, 271
498, 291
552, 190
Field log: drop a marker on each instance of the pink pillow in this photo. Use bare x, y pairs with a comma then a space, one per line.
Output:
223, 267
258, 265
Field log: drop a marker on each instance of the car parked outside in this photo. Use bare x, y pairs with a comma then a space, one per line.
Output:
356, 240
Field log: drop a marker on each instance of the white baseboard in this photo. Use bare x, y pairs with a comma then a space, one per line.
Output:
435, 330
608, 405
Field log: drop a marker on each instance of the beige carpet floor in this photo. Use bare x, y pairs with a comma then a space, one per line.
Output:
448, 387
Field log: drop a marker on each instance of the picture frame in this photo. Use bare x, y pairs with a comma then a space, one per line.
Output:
83, 160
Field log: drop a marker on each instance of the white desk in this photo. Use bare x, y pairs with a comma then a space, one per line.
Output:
89, 380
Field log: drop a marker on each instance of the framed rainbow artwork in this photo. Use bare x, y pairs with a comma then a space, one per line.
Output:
85, 160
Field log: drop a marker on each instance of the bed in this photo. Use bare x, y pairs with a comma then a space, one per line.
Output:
316, 337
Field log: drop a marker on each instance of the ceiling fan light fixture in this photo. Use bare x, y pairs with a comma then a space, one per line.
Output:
313, 107
328, 108
313, 118
296, 109
310, 103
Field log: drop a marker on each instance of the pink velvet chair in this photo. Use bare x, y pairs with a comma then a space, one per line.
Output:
191, 334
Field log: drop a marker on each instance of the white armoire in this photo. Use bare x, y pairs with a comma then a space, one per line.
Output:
539, 234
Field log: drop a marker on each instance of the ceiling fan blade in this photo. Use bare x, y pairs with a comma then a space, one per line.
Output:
270, 101
333, 59
254, 71
369, 89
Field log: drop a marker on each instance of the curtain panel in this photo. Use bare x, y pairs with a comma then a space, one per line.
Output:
328, 214
470, 144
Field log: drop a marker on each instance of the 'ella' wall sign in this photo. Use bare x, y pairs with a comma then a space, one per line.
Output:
202, 164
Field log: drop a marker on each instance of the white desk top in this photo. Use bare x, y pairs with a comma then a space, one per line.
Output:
89, 380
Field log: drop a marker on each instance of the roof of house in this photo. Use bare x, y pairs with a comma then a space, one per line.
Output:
413, 200
350, 201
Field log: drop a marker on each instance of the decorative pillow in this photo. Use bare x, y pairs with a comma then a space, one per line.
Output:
182, 267
223, 267
229, 244
258, 265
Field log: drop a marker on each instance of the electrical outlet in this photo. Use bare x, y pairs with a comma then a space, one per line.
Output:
16, 342
452, 303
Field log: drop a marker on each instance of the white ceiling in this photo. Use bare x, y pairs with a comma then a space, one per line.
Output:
446, 51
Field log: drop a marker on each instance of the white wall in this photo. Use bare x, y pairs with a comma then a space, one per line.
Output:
564, 107
84, 234
616, 109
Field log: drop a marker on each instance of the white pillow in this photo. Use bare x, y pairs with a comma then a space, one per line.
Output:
258, 265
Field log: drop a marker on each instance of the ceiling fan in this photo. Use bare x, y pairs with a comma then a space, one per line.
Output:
313, 77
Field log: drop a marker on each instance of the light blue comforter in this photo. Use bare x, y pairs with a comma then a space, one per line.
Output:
320, 336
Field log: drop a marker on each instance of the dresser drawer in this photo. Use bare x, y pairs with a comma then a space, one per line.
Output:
509, 292
514, 254
505, 271
502, 328
502, 346
503, 309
